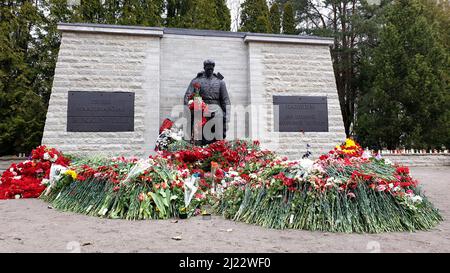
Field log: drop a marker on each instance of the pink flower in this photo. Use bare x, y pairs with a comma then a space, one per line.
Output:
199, 196
381, 187
141, 197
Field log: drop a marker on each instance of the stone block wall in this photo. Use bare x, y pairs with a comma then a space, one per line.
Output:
157, 64
420, 160
293, 70
182, 58
106, 62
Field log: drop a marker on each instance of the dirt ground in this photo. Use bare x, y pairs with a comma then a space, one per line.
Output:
30, 226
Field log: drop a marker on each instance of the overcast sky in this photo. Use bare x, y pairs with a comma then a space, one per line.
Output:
234, 5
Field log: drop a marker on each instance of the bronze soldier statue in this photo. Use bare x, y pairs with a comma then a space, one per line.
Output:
214, 93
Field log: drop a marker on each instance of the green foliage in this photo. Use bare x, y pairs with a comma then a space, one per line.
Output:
223, 15
176, 11
288, 19
275, 18
255, 17
407, 99
202, 14
354, 26
124, 12
141, 12
21, 108
111, 11
89, 11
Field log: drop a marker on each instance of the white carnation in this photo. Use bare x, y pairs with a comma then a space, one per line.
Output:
253, 176
45, 181
416, 199
366, 154
175, 136
306, 163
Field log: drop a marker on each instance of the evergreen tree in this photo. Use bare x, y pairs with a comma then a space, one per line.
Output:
89, 11
141, 12
111, 11
178, 12
200, 14
152, 12
354, 26
49, 41
439, 13
407, 102
255, 16
21, 109
173, 8
275, 18
223, 15
288, 19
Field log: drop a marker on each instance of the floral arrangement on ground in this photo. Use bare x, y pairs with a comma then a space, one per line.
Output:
345, 190
29, 178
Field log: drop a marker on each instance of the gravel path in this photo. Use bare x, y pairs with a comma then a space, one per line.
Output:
29, 226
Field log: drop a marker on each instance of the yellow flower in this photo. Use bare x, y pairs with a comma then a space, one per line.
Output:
71, 173
349, 142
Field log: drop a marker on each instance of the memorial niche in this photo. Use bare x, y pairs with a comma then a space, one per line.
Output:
300, 114
94, 111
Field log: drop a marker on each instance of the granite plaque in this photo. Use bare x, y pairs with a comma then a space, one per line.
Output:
300, 114
93, 111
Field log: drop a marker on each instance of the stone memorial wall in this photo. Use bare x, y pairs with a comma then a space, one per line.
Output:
152, 68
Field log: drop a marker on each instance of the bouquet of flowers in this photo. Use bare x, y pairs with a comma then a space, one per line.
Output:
29, 178
197, 105
196, 102
168, 135
122, 188
342, 191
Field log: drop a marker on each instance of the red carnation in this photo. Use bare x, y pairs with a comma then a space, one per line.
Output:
196, 85
167, 124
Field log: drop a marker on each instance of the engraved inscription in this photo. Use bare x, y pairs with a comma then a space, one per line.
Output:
92, 111
300, 114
